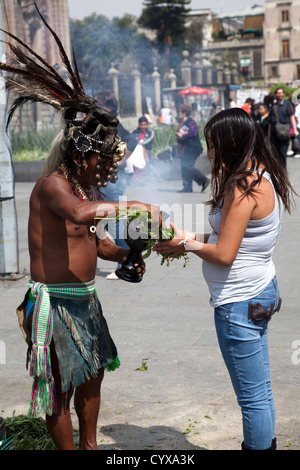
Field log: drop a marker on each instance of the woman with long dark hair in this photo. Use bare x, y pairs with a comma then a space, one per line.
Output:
250, 189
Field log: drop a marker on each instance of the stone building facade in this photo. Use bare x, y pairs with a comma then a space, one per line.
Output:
262, 41
239, 36
282, 41
20, 18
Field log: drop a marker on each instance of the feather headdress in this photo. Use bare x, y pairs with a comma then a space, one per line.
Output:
29, 78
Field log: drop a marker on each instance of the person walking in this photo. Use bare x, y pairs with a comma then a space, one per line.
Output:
297, 146
250, 190
190, 148
282, 118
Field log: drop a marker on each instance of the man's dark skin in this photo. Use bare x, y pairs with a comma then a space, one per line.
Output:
63, 250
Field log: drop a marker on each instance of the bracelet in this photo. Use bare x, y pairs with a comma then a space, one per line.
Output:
183, 242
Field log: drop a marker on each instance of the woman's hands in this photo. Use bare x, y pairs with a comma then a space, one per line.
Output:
175, 245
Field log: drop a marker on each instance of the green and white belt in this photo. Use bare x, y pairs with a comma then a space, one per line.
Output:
43, 397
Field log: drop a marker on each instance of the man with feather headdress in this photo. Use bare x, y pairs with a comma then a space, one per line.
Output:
69, 341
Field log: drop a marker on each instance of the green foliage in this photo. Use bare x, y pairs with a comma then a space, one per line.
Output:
34, 146
143, 366
31, 146
194, 36
99, 42
288, 90
167, 18
164, 137
143, 220
28, 433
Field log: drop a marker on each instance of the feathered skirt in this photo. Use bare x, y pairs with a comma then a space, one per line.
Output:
82, 340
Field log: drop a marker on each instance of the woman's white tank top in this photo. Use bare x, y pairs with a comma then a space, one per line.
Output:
253, 268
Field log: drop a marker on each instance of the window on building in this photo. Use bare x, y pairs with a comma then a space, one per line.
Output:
284, 15
257, 63
274, 71
285, 48
298, 72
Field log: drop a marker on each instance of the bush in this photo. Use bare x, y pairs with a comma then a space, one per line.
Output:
32, 145
288, 90
165, 137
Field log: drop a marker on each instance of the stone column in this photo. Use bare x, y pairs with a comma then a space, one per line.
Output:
220, 78
198, 68
156, 79
137, 92
234, 73
114, 74
209, 76
227, 74
186, 69
172, 77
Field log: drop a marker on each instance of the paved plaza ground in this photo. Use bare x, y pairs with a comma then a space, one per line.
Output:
182, 398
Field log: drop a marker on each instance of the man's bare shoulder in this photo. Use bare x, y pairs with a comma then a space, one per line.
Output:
50, 191
52, 182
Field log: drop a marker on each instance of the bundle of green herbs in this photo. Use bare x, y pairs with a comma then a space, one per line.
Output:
145, 223
27, 433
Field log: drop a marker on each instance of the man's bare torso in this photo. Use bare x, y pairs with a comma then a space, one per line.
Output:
60, 251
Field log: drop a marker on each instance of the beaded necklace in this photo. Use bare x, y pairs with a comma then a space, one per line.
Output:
82, 194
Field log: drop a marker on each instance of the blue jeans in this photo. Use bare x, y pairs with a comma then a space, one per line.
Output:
244, 346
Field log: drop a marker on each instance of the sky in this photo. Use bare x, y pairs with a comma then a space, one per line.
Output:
79, 9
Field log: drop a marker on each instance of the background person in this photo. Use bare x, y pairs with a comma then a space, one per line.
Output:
297, 118
114, 192
142, 140
282, 111
190, 148
263, 120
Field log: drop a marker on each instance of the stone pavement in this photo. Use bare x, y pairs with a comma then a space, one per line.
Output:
182, 398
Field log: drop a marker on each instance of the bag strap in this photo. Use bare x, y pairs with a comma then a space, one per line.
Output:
275, 107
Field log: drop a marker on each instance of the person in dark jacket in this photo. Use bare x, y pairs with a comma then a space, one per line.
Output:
144, 136
263, 121
190, 148
283, 112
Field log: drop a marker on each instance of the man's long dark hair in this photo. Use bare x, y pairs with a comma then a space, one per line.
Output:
240, 145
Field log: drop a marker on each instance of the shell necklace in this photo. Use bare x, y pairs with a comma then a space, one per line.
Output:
82, 194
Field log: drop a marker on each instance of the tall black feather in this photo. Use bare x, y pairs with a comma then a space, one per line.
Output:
30, 78
77, 86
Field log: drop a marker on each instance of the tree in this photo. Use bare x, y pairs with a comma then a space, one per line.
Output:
167, 18
194, 36
288, 90
98, 42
